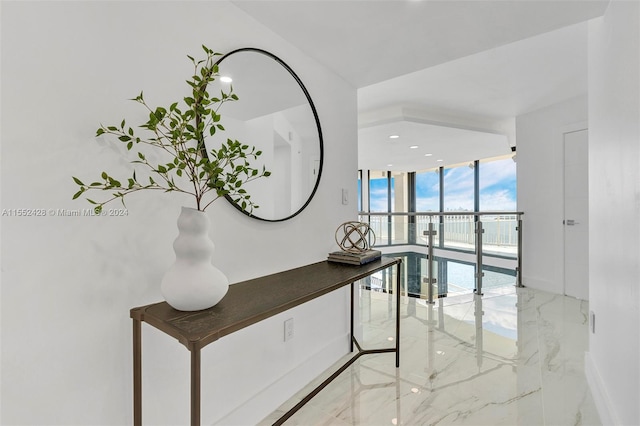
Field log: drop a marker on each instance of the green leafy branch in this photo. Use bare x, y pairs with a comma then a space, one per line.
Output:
180, 133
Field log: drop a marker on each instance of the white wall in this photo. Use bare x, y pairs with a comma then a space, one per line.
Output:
614, 211
540, 190
68, 282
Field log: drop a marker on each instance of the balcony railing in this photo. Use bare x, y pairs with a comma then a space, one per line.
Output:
442, 235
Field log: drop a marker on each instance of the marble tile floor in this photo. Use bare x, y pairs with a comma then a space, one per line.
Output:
514, 356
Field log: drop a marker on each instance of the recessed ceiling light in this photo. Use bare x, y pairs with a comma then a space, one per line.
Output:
428, 155
394, 136
226, 79
439, 160
413, 146
389, 165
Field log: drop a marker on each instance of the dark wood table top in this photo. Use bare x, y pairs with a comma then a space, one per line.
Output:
254, 300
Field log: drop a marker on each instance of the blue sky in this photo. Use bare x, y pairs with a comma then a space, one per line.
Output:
497, 188
378, 194
498, 185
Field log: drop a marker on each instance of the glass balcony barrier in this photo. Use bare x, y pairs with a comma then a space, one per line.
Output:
452, 260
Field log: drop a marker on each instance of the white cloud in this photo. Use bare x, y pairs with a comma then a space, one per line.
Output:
495, 172
501, 199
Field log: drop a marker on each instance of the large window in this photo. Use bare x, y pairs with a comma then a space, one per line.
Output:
378, 192
359, 190
459, 189
428, 191
498, 185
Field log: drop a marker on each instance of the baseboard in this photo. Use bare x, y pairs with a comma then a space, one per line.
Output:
599, 393
539, 284
267, 400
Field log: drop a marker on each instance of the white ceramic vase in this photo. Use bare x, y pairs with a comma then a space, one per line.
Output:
193, 283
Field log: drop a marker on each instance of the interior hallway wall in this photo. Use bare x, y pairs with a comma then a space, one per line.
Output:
68, 282
540, 190
613, 361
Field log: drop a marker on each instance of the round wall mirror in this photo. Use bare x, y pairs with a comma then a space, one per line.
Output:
275, 114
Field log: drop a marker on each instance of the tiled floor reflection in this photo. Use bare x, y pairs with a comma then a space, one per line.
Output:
511, 357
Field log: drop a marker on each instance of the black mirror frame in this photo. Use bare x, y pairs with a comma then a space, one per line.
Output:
315, 116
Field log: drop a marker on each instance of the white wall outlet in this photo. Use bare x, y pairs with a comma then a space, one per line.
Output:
288, 329
345, 196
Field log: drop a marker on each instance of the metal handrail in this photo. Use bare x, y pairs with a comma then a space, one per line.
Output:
450, 213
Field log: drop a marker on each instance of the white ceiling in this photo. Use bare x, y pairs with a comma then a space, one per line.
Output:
422, 146
470, 66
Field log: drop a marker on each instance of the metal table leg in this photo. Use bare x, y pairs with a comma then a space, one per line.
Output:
137, 372
351, 335
398, 315
195, 387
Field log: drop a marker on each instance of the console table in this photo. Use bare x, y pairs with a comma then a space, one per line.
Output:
247, 303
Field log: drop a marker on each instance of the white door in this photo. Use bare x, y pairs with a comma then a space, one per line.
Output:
576, 215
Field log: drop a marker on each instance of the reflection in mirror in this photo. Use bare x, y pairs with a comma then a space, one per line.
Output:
275, 114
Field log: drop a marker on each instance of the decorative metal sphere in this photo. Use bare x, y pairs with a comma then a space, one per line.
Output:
355, 237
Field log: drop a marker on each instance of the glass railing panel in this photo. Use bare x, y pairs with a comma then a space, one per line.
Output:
455, 277
457, 232
422, 225
497, 278
382, 281
500, 235
455, 270
400, 229
380, 227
